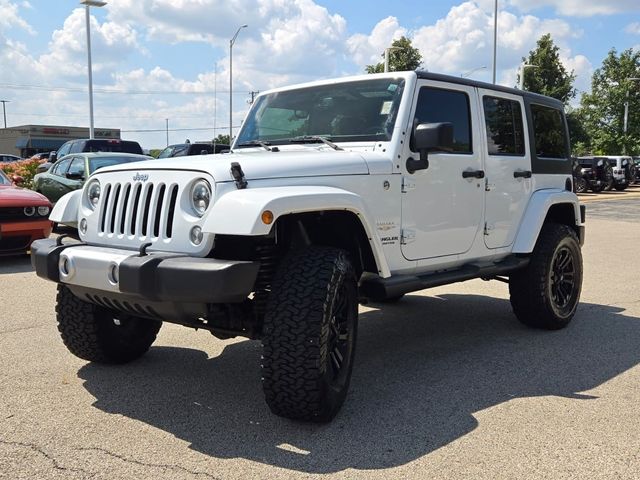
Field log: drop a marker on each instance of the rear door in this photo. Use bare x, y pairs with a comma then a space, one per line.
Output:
508, 183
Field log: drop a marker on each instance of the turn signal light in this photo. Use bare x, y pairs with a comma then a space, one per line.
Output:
267, 217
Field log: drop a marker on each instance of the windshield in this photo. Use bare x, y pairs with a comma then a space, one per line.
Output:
365, 110
96, 163
174, 151
4, 180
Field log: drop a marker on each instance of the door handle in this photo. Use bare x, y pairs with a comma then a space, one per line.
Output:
473, 174
522, 174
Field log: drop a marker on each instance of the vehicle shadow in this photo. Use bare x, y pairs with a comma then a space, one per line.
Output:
423, 368
19, 263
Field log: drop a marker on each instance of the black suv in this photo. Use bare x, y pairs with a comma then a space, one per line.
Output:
198, 148
597, 173
580, 184
83, 145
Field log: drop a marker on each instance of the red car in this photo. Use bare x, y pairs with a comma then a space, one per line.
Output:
24, 217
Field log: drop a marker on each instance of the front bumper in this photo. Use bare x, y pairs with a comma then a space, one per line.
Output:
17, 236
155, 277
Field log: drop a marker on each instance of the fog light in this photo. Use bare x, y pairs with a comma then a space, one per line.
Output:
195, 235
83, 226
29, 211
65, 265
114, 273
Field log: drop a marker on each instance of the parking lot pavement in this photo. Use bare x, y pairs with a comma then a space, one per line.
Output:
447, 384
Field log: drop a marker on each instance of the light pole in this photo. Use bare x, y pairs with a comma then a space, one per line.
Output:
626, 115
495, 38
88, 4
469, 72
386, 56
4, 111
523, 68
231, 42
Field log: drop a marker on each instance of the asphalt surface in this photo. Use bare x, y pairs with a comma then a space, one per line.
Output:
447, 384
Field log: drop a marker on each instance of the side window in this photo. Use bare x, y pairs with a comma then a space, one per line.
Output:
64, 149
503, 119
76, 147
438, 105
549, 133
61, 167
77, 166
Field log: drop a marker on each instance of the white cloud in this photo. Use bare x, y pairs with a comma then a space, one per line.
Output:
463, 40
110, 43
366, 49
580, 8
10, 16
633, 28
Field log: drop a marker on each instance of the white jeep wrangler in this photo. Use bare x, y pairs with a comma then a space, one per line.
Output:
334, 193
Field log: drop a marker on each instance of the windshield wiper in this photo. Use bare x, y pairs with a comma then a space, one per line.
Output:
314, 139
258, 143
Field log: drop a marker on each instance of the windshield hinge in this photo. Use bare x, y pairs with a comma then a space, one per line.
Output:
238, 176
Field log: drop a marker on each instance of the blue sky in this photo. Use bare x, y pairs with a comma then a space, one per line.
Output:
159, 59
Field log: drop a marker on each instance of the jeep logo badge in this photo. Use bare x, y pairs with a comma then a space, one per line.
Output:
140, 178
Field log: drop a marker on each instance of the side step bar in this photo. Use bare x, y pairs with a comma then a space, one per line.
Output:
377, 288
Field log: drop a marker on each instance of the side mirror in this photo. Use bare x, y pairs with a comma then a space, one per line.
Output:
75, 176
43, 167
430, 137
53, 156
17, 180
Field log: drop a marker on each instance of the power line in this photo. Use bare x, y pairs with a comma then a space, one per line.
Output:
195, 129
115, 91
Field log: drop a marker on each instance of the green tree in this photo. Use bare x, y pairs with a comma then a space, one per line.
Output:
602, 110
222, 139
408, 58
549, 77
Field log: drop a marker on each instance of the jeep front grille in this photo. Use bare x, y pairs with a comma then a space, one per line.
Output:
138, 209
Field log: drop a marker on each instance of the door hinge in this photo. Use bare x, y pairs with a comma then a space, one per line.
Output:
487, 228
407, 184
487, 185
407, 236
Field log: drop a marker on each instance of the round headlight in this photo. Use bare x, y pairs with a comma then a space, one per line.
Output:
200, 196
43, 211
93, 193
29, 211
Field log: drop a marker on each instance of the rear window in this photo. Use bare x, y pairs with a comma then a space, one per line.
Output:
124, 146
549, 132
97, 163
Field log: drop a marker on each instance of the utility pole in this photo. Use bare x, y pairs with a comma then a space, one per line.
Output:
4, 111
626, 114
167, 128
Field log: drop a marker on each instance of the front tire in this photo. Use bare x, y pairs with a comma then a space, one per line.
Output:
100, 335
309, 334
581, 185
546, 293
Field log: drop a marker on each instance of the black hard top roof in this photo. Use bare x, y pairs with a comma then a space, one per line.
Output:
534, 97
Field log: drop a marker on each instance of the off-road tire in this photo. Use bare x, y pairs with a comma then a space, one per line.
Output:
596, 189
92, 332
610, 182
620, 188
581, 185
546, 293
310, 323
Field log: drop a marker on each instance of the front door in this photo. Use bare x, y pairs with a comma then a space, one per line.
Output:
442, 207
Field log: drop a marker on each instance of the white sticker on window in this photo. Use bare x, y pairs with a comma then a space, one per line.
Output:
386, 108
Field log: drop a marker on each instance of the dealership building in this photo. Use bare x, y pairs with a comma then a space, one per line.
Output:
27, 140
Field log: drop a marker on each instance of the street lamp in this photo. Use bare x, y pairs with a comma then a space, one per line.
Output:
626, 114
386, 56
231, 42
495, 38
523, 68
469, 72
88, 4
4, 111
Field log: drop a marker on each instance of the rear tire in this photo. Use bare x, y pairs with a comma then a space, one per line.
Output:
546, 293
620, 188
309, 334
100, 335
